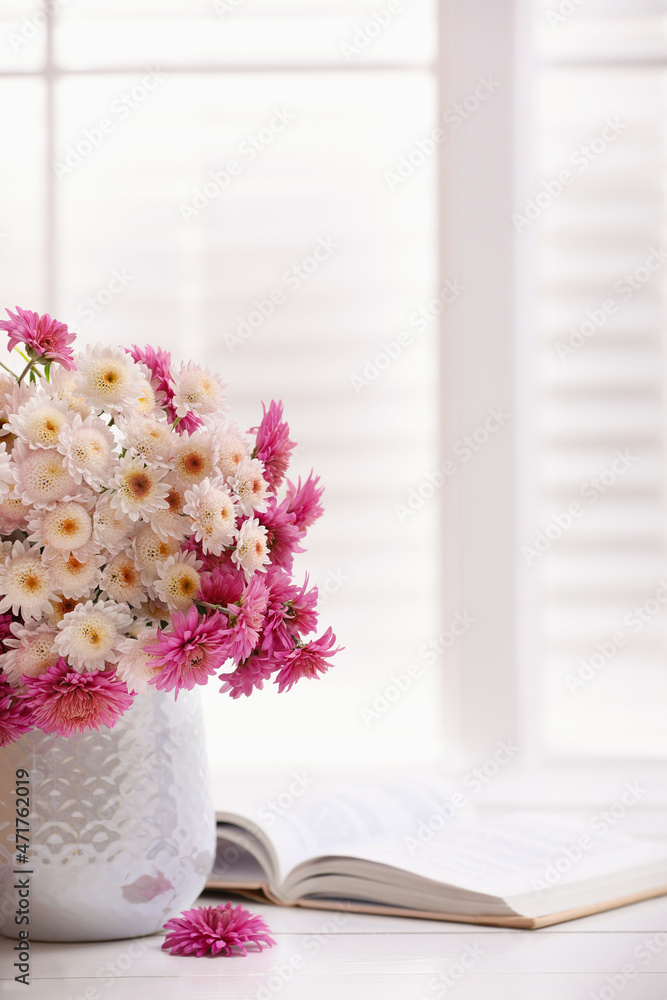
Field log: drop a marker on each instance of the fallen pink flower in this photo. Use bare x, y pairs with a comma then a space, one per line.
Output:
216, 929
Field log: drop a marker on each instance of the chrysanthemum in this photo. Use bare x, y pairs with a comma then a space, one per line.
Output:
135, 666
39, 421
89, 636
216, 929
45, 338
13, 513
111, 527
75, 575
246, 619
291, 612
15, 715
251, 553
67, 528
188, 653
213, 512
109, 379
61, 606
41, 478
149, 549
121, 580
178, 579
250, 675
273, 446
197, 390
172, 523
30, 652
304, 501
250, 486
88, 449
64, 701
223, 586
148, 399
307, 660
147, 438
25, 584
6, 477
282, 533
62, 386
194, 458
138, 488
231, 448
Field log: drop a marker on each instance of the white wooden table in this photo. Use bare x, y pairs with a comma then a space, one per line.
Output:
354, 957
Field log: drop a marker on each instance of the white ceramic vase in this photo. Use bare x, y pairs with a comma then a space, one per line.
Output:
122, 829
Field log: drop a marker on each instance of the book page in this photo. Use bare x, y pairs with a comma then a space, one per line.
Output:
520, 854
305, 820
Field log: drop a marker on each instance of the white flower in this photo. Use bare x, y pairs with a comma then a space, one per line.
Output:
6, 477
88, 449
231, 448
31, 652
75, 575
66, 528
135, 667
178, 580
90, 635
41, 478
213, 512
121, 580
111, 528
250, 486
13, 513
139, 490
109, 379
197, 390
62, 386
149, 549
147, 438
25, 584
251, 553
147, 400
16, 397
172, 523
39, 421
194, 458
62, 606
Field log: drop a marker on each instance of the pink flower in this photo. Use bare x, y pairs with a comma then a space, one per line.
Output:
146, 887
246, 621
14, 714
308, 660
158, 362
48, 339
64, 701
250, 674
189, 652
223, 586
5, 631
282, 533
215, 929
273, 447
304, 501
290, 612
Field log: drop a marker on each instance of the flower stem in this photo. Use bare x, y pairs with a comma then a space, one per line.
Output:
214, 607
9, 370
26, 370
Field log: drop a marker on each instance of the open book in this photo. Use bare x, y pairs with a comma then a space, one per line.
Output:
416, 848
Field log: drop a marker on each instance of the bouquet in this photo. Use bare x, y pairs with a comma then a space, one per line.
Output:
144, 545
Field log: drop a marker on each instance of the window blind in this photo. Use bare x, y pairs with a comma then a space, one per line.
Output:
598, 549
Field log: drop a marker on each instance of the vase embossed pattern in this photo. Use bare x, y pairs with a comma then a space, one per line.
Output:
122, 828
